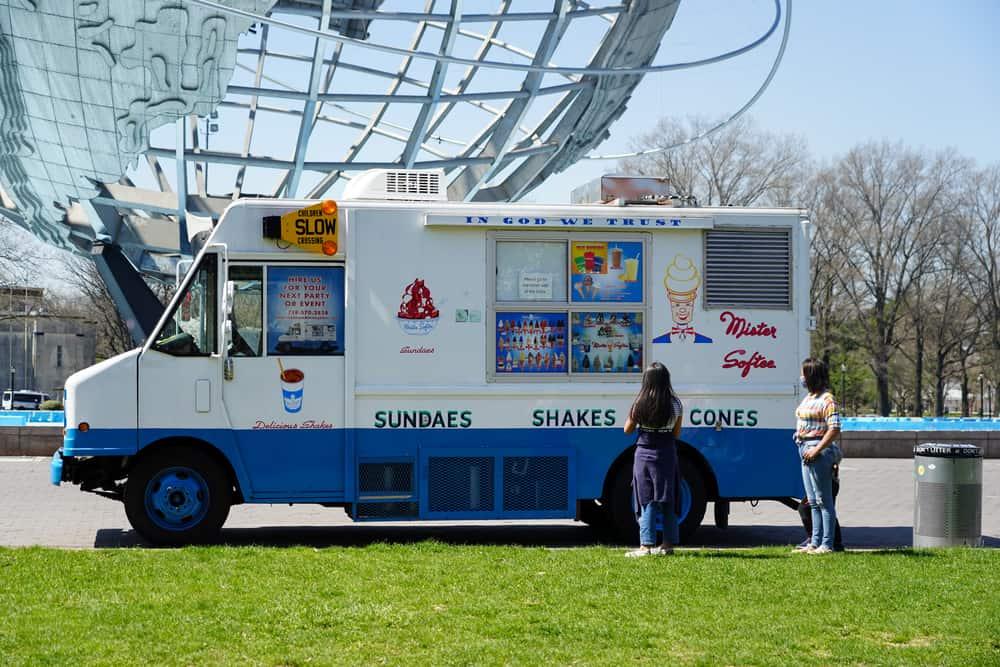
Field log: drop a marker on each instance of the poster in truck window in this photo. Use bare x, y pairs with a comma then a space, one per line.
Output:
305, 310
530, 343
607, 342
606, 271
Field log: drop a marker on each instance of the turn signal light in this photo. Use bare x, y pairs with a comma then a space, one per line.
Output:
83, 427
329, 207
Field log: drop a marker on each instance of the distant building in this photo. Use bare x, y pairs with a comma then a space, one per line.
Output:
38, 350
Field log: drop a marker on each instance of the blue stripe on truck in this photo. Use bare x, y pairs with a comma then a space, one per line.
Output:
309, 465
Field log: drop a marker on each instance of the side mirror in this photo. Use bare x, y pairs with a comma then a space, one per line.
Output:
228, 372
229, 299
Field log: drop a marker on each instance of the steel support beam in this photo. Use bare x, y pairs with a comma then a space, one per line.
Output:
308, 109
434, 88
135, 302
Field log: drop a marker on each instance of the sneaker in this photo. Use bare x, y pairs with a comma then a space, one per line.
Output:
806, 548
820, 550
662, 551
639, 553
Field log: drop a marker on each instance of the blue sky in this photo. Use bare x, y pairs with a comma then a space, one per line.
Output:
925, 73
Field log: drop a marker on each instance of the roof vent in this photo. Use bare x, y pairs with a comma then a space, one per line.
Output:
398, 185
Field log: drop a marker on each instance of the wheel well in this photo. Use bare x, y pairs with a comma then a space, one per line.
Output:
683, 450
194, 443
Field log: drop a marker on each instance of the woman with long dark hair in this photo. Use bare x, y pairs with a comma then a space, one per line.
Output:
657, 415
816, 433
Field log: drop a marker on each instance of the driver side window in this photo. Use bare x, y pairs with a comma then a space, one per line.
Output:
192, 330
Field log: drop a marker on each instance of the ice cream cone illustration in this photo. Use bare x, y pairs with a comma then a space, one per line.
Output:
681, 281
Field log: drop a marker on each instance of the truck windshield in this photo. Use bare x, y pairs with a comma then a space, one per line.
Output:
192, 327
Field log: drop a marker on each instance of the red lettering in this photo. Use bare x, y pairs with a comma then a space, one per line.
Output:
738, 327
757, 360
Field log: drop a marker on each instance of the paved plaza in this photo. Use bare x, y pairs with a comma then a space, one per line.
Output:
876, 507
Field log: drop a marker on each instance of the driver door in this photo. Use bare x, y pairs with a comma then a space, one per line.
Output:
180, 371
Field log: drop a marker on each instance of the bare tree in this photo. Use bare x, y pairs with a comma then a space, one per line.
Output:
981, 209
949, 313
885, 205
740, 165
19, 257
828, 299
89, 297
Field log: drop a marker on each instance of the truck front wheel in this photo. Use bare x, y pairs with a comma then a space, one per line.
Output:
178, 495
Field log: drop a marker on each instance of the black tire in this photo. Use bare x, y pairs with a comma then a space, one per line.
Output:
721, 511
215, 495
598, 518
624, 523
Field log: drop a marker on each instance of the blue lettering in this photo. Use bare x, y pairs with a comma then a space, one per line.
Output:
524, 221
674, 222
660, 222
539, 221
508, 221
569, 221
611, 221
628, 221
588, 221
644, 222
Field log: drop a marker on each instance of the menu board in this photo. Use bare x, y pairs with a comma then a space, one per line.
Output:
602, 271
530, 343
607, 342
305, 310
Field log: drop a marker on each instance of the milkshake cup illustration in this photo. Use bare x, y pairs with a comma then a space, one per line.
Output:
616, 259
292, 381
631, 269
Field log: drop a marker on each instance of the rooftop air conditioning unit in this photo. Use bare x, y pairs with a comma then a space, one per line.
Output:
398, 185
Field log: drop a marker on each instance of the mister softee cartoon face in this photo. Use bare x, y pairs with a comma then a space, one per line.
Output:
682, 310
681, 281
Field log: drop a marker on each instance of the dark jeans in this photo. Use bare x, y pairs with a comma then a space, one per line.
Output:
805, 513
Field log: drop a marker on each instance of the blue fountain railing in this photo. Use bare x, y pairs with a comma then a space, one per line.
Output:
921, 424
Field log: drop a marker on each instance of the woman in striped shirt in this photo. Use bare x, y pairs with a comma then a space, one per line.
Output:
817, 430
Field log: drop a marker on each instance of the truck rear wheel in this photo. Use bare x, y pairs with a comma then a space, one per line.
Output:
178, 495
692, 510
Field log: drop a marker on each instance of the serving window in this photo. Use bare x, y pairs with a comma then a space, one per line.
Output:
567, 306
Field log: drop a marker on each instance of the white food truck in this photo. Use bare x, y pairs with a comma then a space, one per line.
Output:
472, 361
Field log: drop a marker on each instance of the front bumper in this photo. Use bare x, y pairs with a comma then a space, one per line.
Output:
56, 468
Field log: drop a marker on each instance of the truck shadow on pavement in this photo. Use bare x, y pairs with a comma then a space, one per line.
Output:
553, 536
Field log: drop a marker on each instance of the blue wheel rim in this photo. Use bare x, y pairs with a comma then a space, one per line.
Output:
685, 504
177, 498
685, 501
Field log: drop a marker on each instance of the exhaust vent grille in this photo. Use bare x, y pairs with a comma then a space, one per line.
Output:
398, 185
748, 269
413, 182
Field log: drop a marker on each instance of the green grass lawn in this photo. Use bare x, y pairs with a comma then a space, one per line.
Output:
436, 604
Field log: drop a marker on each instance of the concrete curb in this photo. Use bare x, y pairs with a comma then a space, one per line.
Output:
30, 440
44, 440
900, 444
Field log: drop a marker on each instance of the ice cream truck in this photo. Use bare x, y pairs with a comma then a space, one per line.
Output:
471, 361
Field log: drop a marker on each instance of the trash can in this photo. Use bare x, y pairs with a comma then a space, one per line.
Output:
948, 495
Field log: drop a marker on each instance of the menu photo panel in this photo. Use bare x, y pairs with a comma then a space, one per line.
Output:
606, 271
530, 343
607, 342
